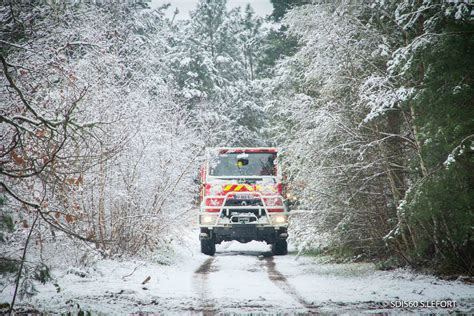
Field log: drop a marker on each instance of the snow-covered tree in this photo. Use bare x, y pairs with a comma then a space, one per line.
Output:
211, 60
354, 103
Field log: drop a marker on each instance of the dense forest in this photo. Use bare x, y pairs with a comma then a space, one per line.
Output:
106, 110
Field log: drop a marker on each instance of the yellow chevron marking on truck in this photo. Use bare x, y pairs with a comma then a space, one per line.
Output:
272, 188
248, 187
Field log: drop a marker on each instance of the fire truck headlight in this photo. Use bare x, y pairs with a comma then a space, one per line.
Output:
280, 219
207, 219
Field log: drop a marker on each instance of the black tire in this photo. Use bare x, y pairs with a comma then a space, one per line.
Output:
280, 247
208, 247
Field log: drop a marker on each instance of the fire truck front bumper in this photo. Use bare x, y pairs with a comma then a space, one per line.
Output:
244, 233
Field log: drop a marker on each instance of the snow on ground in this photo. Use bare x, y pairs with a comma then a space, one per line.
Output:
241, 278
359, 285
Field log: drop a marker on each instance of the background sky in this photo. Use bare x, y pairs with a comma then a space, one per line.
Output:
261, 7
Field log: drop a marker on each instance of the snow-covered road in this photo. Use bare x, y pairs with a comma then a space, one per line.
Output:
242, 278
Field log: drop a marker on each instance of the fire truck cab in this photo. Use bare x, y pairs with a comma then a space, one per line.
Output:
241, 198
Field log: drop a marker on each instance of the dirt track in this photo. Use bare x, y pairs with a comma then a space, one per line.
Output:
201, 287
255, 262
280, 280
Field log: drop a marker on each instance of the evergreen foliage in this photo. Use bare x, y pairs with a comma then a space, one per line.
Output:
376, 110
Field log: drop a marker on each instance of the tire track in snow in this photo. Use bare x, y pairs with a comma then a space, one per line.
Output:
280, 280
201, 286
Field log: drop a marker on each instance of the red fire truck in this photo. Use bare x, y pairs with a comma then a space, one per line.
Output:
241, 199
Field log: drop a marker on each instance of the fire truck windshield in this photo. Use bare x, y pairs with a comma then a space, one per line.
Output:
259, 164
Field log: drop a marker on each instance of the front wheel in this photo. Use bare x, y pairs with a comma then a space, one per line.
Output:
208, 247
280, 247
